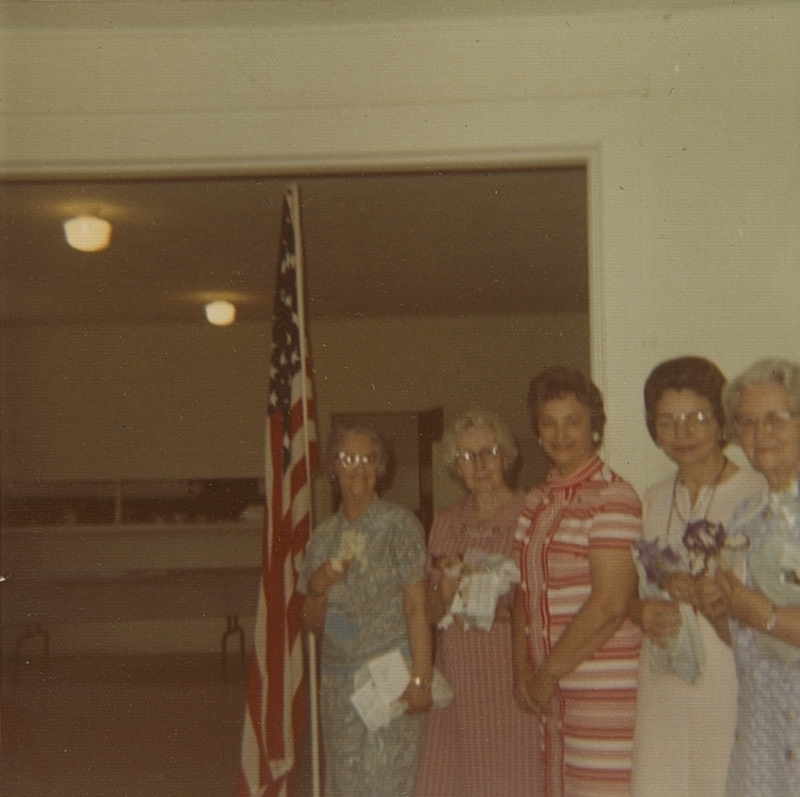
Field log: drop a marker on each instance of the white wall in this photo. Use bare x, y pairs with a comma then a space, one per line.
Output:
688, 119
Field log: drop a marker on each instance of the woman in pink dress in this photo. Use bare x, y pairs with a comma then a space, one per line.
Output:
482, 743
575, 651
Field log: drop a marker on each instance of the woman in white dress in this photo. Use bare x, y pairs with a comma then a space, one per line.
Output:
685, 715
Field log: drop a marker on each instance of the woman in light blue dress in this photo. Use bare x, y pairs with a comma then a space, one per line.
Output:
364, 581
763, 601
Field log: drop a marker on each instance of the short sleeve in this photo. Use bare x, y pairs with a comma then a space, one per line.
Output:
408, 547
437, 528
617, 517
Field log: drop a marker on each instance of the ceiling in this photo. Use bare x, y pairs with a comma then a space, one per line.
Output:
459, 243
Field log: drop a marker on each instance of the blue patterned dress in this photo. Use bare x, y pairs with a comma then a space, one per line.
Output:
364, 619
765, 760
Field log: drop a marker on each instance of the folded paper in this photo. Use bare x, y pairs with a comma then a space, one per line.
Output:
379, 685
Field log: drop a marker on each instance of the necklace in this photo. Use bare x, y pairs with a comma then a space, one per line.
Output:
673, 507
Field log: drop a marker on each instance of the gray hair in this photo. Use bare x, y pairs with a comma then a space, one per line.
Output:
479, 420
340, 430
781, 372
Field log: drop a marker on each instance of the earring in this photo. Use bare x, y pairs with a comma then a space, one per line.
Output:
596, 437
539, 441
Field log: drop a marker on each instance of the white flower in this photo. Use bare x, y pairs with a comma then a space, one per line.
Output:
352, 546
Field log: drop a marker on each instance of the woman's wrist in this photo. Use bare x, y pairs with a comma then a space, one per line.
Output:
753, 608
772, 620
635, 608
318, 584
545, 671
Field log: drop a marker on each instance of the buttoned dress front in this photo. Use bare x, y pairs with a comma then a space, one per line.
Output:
588, 739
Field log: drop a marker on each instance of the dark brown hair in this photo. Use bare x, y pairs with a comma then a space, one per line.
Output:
697, 374
558, 382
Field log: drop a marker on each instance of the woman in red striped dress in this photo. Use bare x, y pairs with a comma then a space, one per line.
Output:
575, 651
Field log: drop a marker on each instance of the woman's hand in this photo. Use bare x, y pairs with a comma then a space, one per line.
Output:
439, 596
541, 689
751, 607
534, 689
683, 588
523, 678
325, 576
713, 598
448, 588
420, 639
522, 670
417, 697
660, 620
315, 605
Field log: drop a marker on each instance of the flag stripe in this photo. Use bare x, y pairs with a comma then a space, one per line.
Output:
277, 710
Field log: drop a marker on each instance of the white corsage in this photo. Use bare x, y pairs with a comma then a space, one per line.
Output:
484, 579
352, 546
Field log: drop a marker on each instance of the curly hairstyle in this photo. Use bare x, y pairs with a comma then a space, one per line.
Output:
782, 372
340, 430
479, 420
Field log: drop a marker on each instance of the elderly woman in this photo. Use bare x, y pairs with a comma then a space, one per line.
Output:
481, 744
364, 580
685, 714
763, 598
575, 650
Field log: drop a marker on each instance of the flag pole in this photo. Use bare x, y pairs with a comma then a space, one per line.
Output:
276, 699
311, 638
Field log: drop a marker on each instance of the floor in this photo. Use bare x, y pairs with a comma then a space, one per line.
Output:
149, 726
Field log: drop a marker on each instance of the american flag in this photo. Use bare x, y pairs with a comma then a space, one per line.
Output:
277, 695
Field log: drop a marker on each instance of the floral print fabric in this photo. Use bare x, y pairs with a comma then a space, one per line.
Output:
365, 618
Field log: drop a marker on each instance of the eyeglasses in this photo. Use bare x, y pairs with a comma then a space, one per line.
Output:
775, 421
486, 454
693, 421
350, 461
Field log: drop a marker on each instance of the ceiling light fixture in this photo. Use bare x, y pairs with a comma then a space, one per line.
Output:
87, 233
220, 313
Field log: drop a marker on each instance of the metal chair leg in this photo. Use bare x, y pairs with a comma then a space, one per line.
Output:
232, 628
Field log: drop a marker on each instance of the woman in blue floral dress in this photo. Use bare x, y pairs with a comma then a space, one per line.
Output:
764, 601
365, 596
